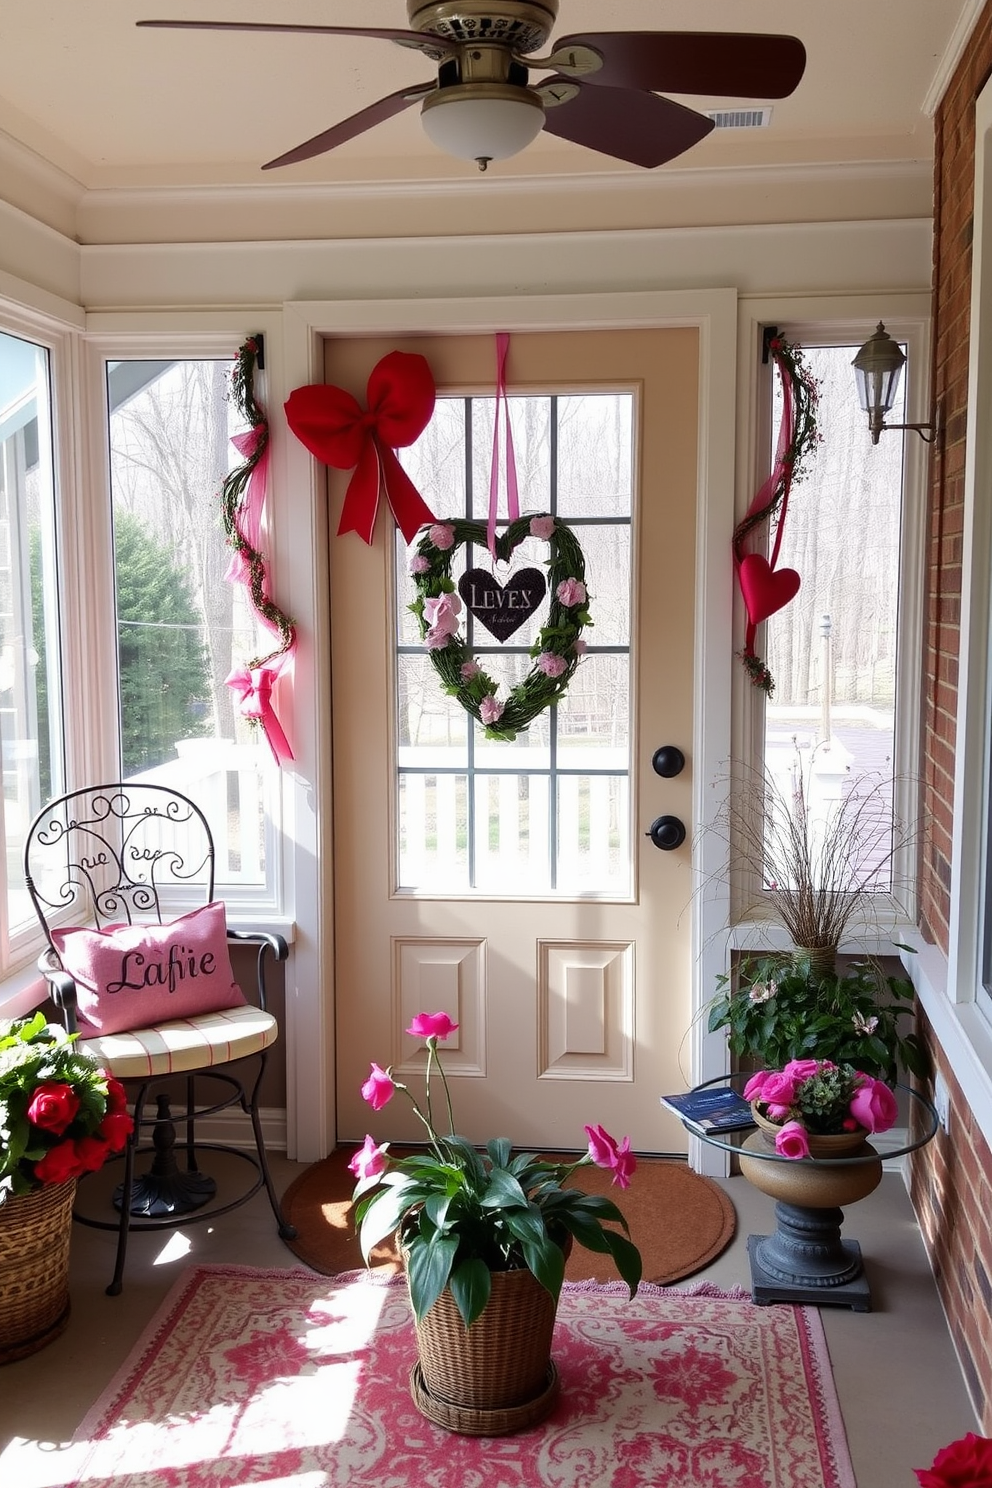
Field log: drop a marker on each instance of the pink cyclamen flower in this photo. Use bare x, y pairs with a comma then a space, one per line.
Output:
490, 709
469, 670
378, 1088
874, 1106
420, 564
551, 664
542, 527
792, 1140
602, 1147
431, 1025
370, 1160
442, 536
625, 1164
571, 592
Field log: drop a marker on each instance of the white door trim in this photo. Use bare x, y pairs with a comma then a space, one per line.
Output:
310, 1004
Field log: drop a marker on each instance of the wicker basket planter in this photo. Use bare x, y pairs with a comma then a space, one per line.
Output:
34, 1268
497, 1376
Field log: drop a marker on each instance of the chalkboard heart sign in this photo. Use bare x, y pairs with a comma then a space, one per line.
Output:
502, 607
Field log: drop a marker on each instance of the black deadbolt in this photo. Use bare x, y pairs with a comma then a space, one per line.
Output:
668, 760
667, 832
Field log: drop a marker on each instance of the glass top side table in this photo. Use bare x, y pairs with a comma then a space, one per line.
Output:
805, 1260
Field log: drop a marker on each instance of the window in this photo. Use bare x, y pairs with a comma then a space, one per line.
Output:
181, 625
549, 812
833, 650
30, 667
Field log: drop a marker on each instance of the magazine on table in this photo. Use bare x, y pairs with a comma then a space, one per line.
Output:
717, 1109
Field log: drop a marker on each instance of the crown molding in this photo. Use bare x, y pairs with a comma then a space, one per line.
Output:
954, 51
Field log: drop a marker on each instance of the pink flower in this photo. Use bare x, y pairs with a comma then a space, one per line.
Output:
436, 640
378, 1088
625, 1164
369, 1161
442, 536
874, 1106
805, 1069
431, 1025
792, 1141
469, 670
571, 592
754, 1086
420, 564
441, 613
490, 710
542, 527
580, 647
602, 1147
779, 1089
551, 664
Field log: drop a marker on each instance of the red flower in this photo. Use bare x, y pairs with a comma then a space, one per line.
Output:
91, 1153
115, 1128
966, 1463
58, 1164
53, 1106
116, 1095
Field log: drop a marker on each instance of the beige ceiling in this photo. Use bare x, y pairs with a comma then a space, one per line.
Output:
114, 106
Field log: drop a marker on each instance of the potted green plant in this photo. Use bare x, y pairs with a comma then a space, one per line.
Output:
61, 1116
819, 866
484, 1236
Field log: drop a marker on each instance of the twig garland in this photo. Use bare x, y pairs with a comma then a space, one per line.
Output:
242, 507
559, 644
798, 437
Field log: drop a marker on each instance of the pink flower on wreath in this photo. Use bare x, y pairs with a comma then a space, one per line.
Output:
490, 709
792, 1141
420, 564
370, 1160
378, 1088
442, 536
551, 664
542, 527
431, 1025
579, 646
436, 640
571, 592
469, 670
441, 612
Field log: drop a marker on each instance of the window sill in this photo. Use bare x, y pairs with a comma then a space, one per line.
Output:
963, 1034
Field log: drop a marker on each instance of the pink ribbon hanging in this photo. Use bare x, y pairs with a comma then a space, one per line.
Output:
248, 517
512, 490
254, 690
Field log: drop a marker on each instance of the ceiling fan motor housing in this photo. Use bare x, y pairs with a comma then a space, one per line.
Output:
522, 26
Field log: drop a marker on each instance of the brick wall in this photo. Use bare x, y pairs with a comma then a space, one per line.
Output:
951, 1179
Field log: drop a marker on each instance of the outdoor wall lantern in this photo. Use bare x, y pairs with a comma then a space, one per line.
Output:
877, 369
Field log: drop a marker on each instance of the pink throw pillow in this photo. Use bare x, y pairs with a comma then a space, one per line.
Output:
132, 976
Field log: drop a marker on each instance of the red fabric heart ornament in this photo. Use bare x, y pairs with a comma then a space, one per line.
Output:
334, 427
765, 589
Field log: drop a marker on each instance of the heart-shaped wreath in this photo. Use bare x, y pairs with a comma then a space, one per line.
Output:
558, 646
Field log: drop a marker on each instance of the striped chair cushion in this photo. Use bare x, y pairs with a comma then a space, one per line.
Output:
184, 1045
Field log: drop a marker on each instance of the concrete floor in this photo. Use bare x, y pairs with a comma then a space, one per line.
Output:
901, 1390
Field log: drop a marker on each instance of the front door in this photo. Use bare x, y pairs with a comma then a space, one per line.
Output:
514, 884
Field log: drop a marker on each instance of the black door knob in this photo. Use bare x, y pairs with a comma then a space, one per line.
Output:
668, 760
667, 832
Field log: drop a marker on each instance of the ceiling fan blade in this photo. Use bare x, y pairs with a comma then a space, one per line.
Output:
625, 123
734, 64
367, 118
403, 38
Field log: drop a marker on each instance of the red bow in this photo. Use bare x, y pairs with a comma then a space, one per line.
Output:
333, 426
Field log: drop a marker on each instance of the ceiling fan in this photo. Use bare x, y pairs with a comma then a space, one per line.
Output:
602, 92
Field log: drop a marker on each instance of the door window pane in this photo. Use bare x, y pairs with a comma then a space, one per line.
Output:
30, 669
182, 626
547, 813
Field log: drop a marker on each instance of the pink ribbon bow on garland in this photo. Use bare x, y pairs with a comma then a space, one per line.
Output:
243, 502
335, 428
512, 491
766, 589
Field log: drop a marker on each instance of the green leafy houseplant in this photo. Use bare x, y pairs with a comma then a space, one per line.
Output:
785, 1007
61, 1115
463, 1214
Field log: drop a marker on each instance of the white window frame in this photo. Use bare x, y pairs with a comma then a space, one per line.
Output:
951, 990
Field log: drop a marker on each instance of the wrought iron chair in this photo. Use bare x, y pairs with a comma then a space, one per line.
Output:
123, 855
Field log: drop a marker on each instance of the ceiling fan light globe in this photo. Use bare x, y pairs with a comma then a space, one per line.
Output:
482, 122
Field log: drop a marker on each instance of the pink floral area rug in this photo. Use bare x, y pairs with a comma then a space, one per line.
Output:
294, 1380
